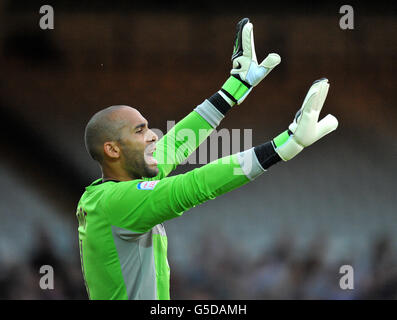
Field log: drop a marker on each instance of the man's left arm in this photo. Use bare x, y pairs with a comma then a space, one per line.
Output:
187, 135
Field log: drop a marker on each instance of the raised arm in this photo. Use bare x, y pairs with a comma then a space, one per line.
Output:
186, 136
138, 205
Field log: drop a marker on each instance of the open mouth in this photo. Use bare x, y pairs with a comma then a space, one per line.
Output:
150, 160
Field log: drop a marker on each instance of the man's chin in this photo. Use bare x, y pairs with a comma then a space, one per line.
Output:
151, 171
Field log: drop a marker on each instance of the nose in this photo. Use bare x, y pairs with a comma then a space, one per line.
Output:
152, 137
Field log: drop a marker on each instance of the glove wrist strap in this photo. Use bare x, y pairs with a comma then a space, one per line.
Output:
286, 146
235, 88
281, 138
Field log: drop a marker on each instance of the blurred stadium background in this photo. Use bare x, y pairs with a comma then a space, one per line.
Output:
283, 236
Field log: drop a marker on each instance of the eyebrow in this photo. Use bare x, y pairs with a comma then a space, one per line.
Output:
141, 125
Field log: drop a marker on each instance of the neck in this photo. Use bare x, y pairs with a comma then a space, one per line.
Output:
112, 173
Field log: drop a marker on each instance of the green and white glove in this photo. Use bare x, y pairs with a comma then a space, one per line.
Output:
246, 72
306, 129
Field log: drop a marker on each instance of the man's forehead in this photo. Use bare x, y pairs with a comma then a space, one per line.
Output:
129, 114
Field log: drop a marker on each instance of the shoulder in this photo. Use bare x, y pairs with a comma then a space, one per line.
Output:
118, 193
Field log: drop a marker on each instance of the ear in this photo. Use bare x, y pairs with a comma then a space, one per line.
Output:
111, 150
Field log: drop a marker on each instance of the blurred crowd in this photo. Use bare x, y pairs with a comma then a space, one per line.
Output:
285, 272
219, 271
21, 279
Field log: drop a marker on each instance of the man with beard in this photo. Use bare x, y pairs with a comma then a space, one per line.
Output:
123, 244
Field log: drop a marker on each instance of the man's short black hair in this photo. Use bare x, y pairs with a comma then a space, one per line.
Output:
101, 128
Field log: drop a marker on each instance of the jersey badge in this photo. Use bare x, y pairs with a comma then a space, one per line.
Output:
147, 185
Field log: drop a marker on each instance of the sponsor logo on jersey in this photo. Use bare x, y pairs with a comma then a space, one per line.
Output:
147, 185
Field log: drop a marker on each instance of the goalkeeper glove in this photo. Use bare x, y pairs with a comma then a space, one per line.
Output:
305, 129
246, 72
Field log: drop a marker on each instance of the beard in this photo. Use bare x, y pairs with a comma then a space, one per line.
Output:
136, 166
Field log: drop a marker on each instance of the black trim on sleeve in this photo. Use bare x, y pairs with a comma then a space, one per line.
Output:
219, 103
266, 155
229, 95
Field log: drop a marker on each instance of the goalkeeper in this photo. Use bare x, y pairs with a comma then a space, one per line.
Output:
123, 244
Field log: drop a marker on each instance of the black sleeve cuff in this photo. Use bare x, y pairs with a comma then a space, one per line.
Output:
266, 155
219, 103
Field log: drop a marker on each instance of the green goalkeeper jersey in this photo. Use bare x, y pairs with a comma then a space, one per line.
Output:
123, 244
